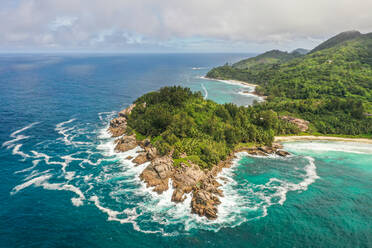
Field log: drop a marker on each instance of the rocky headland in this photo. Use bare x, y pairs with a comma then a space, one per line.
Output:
185, 177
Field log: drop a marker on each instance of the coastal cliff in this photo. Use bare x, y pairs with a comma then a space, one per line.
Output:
186, 175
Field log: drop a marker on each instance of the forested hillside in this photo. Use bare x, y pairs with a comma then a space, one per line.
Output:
180, 122
266, 59
331, 87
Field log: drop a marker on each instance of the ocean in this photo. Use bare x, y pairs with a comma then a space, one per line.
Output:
62, 185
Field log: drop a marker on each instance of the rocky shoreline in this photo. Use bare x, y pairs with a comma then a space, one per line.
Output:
186, 178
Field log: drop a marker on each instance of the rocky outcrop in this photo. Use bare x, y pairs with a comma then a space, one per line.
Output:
282, 153
140, 159
300, 123
126, 143
118, 126
186, 178
265, 150
204, 203
126, 112
158, 173
205, 198
151, 152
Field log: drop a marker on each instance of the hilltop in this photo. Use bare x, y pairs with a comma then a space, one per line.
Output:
268, 58
338, 39
331, 87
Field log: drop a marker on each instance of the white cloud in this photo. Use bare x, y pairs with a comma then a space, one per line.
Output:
160, 24
62, 21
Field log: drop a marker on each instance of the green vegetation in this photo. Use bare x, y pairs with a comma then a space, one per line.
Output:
331, 86
182, 123
266, 59
338, 39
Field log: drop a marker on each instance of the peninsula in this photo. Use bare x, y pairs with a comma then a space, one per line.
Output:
188, 140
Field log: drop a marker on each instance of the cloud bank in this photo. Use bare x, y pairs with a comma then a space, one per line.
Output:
174, 25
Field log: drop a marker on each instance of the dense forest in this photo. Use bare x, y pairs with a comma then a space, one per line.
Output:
331, 86
179, 122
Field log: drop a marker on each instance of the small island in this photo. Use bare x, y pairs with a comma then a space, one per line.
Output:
188, 140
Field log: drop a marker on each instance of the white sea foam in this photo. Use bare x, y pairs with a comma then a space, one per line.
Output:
205, 92
232, 82
17, 137
118, 182
35, 173
34, 164
199, 68
35, 181
77, 201
326, 146
113, 215
105, 116
69, 133
10, 143
23, 129
17, 151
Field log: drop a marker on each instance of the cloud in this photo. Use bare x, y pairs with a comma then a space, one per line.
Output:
219, 25
62, 21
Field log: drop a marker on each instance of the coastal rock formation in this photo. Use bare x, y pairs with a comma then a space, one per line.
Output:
282, 153
126, 112
204, 203
157, 174
126, 143
140, 159
187, 177
151, 152
118, 126
265, 150
300, 123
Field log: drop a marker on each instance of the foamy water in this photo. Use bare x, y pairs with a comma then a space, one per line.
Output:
326, 146
96, 175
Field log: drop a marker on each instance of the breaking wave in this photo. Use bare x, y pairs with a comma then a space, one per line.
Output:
205, 91
82, 161
325, 146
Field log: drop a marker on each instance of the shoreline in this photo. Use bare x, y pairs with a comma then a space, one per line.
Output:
233, 81
320, 138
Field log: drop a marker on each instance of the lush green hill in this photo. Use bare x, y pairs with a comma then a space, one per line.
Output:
338, 39
180, 122
268, 58
330, 87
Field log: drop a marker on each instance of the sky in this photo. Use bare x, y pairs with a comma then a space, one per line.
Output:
175, 25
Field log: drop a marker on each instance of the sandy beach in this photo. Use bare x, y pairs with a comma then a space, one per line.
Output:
237, 82
231, 81
324, 138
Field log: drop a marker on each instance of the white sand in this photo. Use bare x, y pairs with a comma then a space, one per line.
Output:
329, 138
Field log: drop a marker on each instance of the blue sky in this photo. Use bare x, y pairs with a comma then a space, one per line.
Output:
174, 25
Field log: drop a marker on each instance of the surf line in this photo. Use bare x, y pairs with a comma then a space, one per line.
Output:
205, 92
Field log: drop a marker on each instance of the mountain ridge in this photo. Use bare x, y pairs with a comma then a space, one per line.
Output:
331, 87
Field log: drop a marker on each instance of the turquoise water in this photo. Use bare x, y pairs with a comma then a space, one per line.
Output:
63, 186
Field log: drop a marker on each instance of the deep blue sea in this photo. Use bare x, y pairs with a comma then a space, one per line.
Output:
62, 185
